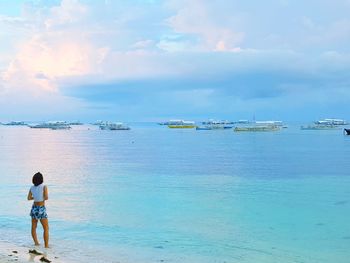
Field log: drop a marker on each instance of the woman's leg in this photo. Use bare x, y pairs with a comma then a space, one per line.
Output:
45, 224
34, 224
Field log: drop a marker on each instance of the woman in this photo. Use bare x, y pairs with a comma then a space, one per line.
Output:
38, 192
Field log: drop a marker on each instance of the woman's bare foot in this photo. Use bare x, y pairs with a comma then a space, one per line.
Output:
36, 244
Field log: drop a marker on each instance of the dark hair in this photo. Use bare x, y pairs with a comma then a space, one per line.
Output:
37, 179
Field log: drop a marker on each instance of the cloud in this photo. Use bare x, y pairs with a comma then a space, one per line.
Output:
194, 18
175, 56
56, 49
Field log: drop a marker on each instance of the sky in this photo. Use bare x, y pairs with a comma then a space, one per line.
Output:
152, 60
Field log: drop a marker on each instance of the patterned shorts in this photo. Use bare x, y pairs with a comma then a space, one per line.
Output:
38, 212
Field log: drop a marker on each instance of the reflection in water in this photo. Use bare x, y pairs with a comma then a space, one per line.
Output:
153, 194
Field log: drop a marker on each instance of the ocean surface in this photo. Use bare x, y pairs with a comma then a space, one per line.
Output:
154, 194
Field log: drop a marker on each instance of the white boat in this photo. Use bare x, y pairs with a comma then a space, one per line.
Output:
15, 123
320, 127
243, 122
98, 123
53, 125
211, 121
75, 123
257, 128
273, 123
331, 122
172, 122
181, 124
118, 126
216, 125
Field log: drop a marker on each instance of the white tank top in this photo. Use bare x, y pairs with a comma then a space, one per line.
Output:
38, 192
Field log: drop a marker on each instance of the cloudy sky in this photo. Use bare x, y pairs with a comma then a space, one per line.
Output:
146, 60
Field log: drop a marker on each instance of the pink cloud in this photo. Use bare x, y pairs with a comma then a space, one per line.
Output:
194, 18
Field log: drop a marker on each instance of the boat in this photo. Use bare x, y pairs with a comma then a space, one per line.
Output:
53, 125
222, 122
214, 127
181, 124
320, 127
331, 122
61, 127
118, 126
217, 125
75, 123
269, 123
98, 123
15, 123
243, 122
171, 122
347, 131
257, 128
203, 128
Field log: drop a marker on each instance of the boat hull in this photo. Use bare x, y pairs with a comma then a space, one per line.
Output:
347, 131
320, 128
256, 129
120, 129
182, 126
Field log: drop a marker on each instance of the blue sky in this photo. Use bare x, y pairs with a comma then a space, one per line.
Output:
153, 60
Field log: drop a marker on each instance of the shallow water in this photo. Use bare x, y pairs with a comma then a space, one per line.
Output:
153, 194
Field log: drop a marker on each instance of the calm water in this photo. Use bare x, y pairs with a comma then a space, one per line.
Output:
153, 194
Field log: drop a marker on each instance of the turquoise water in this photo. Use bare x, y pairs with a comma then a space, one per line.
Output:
153, 194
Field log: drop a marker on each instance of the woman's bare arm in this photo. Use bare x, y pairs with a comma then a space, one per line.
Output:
46, 193
30, 196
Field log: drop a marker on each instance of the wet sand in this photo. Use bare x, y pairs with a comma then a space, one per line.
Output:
13, 253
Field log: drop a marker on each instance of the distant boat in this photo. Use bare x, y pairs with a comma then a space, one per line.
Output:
60, 127
214, 127
331, 122
118, 126
257, 128
75, 123
171, 122
98, 123
347, 131
15, 123
270, 123
53, 125
181, 124
217, 122
243, 122
217, 125
203, 128
320, 127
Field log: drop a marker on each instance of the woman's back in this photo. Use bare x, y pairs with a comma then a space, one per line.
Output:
37, 192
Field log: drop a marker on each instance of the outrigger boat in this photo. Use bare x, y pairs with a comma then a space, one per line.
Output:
259, 126
265, 128
320, 127
332, 122
53, 125
118, 126
215, 125
181, 124
203, 128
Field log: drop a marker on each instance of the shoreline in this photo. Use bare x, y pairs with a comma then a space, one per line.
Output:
11, 252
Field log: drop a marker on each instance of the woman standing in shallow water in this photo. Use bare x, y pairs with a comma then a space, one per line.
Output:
38, 192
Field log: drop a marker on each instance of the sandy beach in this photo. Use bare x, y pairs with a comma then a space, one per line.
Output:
13, 253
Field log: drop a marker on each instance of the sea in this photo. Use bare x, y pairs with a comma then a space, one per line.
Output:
154, 194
